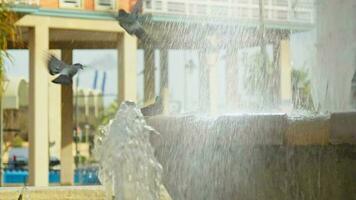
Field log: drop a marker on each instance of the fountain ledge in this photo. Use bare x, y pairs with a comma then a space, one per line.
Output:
263, 129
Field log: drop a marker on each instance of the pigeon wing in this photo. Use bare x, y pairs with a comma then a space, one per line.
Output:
55, 66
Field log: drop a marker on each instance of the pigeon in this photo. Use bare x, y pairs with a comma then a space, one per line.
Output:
129, 21
154, 109
65, 71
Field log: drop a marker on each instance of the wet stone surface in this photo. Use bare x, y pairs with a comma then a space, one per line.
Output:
203, 159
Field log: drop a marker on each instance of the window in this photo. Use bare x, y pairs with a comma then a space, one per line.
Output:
148, 4
176, 7
280, 15
201, 9
282, 3
70, 4
104, 4
158, 5
240, 12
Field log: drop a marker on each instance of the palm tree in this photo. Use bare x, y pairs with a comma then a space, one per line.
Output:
260, 82
301, 87
8, 32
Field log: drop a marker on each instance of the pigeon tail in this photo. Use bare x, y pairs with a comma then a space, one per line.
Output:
141, 34
63, 80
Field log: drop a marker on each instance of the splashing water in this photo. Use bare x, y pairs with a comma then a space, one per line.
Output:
254, 156
126, 157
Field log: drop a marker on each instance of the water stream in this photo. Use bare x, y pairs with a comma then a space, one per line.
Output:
128, 167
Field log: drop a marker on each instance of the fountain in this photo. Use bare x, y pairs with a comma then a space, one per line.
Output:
264, 154
255, 156
260, 152
126, 158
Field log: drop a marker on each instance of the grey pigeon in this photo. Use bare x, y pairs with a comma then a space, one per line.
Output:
65, 71
154, 109
129, 21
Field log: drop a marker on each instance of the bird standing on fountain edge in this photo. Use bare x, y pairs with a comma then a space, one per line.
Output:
65, 71
153, 109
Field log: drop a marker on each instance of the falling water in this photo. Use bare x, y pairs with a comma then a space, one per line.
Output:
259, 81
126, 157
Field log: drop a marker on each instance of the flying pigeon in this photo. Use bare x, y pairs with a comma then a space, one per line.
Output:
65, 71
154, 109
129, 21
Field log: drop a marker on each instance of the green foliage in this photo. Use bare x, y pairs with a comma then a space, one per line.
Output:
17, 141
109, 113
301, 87
82, 159
8, 32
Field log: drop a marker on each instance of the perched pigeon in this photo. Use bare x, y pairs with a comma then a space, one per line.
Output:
129, 21
154, 109
65, 71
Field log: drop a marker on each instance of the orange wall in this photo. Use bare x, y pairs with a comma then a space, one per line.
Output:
89, 4
127, 4
49, 3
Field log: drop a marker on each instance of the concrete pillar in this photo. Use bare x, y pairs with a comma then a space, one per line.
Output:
213, 82
164, 89
208, 75
127, 56
149, 76
285, 69
204, 97
208, 81
38, 106
67, 160
54, 118
232, 79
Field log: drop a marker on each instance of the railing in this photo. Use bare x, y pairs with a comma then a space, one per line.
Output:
275, 10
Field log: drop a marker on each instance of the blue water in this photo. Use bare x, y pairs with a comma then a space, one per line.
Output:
81, 177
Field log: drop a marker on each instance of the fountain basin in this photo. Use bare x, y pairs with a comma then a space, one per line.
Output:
257, 156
